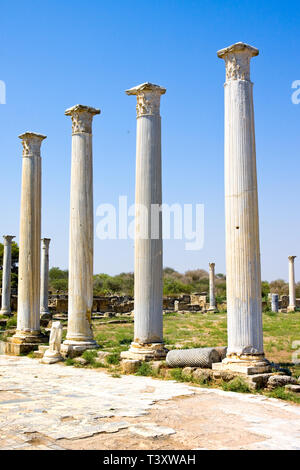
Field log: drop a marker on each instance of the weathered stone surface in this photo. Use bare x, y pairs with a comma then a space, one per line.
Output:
188, 371
157, 365
130, 366
280, 380
292, 388
202, 374
197, 357
258, 381
102, 355
80, 360
151, 430
223, 375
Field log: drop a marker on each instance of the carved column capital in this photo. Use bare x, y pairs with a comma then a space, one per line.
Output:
82, 117
31, 143
148, 98
45, 243
292, 258
237, 60
8, 239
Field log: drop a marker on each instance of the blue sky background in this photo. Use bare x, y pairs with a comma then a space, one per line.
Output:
55, 54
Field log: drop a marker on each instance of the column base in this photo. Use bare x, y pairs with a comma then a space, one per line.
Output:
28, 337
71, 346
291, 308
22, 343
51, 357
212, 310
145, 352
246, 364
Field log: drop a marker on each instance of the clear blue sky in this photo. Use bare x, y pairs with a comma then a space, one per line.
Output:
55, 54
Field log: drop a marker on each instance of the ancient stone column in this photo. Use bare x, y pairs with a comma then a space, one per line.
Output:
6, 276
148, 281
44, 310
292, 287
243, 274
81, 236
28, 323
212, 298
274, 303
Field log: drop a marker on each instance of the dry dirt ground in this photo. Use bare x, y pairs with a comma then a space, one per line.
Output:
59, 407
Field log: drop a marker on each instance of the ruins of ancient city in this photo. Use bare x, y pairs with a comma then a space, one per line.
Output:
202, 356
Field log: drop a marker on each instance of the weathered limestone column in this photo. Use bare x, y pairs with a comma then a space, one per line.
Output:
44, 310
81, 241
6, 276
148, 283
292, 287
28, 323
274, 303
212, 297
243, 278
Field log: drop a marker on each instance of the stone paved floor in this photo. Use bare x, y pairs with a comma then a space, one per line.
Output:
58, 407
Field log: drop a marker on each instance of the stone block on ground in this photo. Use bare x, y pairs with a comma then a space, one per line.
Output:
80, 360
198, 357
280, 381
292, 388
102, 356
257, 381
157, 365
188, 371
223, 375
130, 366
202, 374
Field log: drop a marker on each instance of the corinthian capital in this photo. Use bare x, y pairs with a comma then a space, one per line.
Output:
31, 143
8, 239
237, 60
291, 258
82, 117
148, 98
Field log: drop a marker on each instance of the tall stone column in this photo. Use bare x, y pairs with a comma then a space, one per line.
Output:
28, 323
81, 237
292, 287
44, 310
212, 297
148, 281
6, 276
243, 277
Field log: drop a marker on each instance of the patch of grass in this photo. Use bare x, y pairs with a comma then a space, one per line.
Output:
235, 385
11, 322
144, 369
30, 354
176, 374
113, 358
115, 375
283, 394
89, 355
69, 362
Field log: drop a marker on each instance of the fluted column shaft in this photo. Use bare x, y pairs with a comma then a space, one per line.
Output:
28, 323
81, 237
243, 277
148, 284
45, 276
6, 276
212, 297
292, 287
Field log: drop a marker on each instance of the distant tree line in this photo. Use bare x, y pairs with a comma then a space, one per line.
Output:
175, 283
